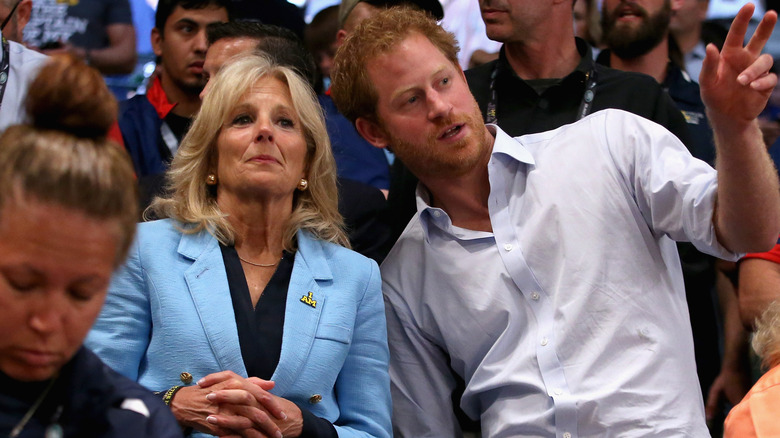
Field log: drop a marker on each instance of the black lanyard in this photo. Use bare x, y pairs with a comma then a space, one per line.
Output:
585, 105
5, 67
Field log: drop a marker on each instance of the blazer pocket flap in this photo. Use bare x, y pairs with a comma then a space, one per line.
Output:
334, 333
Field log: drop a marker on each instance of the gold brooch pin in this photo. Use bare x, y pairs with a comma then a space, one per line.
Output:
309, 299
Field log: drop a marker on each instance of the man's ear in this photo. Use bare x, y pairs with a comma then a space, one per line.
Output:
372, 132
156, 42
23, 12
341, 35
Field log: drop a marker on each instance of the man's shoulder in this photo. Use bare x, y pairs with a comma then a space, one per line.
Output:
408, 248
612, 77
23, 57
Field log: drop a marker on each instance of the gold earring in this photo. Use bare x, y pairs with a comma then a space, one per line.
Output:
211, 180
303, 184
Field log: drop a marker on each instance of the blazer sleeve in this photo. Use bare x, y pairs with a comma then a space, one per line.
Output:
121, 333
363, 385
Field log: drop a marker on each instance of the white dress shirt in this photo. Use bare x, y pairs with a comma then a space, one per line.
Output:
570, 318
24, 65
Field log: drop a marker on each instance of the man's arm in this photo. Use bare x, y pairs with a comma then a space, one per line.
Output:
735, 87
119, 56
759, 285
421, 382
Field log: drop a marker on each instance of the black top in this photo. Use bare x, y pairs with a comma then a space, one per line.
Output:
179, 126
260, 328
521, 110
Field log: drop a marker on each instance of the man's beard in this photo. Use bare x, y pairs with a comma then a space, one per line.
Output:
631, 42
432, 159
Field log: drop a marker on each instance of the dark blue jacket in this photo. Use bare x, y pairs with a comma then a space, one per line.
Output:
140, 119
356, 159
88, 399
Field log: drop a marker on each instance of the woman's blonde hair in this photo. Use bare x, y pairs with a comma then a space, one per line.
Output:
194, 204
766, 339
63, 157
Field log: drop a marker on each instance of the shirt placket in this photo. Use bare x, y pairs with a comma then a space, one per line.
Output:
541, 304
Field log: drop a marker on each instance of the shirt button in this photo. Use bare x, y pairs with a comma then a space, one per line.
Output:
566, 435
558, 391
535, 296
544, 342
436, 213
316, 398
186, 378
508, 247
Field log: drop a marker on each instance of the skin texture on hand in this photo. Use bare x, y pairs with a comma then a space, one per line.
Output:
226, 404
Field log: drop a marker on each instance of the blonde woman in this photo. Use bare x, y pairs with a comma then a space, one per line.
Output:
756, 414
243, 308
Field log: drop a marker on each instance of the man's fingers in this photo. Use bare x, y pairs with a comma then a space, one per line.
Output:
765, 83
709, 67
758, 69
738, 29
762, 33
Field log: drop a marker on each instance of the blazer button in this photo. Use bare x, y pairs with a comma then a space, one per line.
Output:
316, 398
186, 378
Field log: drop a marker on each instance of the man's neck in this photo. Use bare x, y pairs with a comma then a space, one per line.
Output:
464, 198
187, 104
542, 60
689, 39
653, 63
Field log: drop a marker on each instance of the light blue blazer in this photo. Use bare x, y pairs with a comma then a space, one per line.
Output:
169, 311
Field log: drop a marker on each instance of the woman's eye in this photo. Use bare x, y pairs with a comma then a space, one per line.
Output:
242, 119
287, 123
445, 81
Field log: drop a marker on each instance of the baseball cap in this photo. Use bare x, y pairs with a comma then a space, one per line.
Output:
432, 7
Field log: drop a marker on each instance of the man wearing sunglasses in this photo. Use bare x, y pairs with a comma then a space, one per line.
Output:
18, 64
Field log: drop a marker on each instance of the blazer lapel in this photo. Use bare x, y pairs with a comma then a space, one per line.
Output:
208, 286
305, 301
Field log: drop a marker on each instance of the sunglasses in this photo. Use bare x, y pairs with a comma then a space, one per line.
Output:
10, 14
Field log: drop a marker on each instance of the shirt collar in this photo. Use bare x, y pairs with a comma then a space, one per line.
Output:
503, 146
159, 100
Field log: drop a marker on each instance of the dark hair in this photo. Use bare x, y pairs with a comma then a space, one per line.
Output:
63, 156
165, 9
246, 29
291, 53
321, 32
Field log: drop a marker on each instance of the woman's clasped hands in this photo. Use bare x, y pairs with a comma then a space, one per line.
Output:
228, 405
